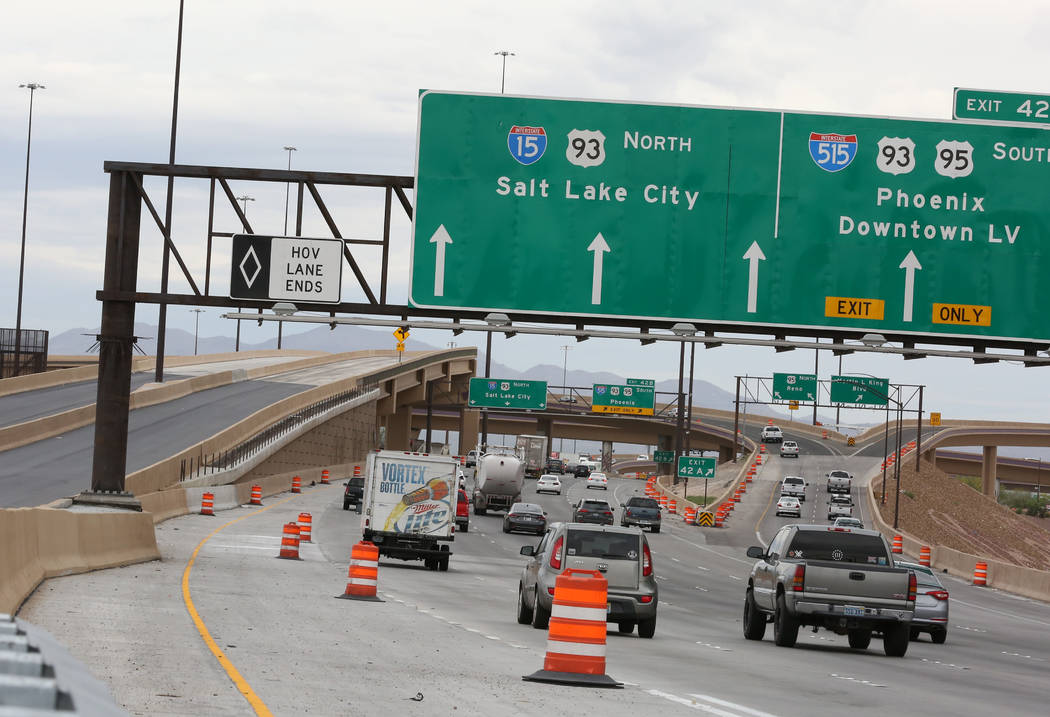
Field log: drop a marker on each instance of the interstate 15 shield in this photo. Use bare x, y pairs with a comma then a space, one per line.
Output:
526, 144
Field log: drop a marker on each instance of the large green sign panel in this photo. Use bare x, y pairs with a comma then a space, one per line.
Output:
998, 106
696, 467
507, 393
663, 456
741, 216
861, 390
636, 397
794, 387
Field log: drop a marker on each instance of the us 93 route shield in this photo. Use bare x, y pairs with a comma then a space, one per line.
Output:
750, 217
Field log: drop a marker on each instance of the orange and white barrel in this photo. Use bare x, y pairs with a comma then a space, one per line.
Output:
924, 556
898, 544
364, 572
208, 504
324, 477
306, 522
256, 495
980, 574
297, 484
290, 542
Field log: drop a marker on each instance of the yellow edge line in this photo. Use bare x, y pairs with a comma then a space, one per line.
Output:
242, 685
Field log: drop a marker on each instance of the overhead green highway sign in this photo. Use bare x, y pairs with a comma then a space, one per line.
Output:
636, 397
507, 393
696, 467
794, 387
999, 106
663, 456
860, 390
747, 217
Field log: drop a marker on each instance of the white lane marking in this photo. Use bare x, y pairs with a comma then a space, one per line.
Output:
734, 577
697, 587
478, 577
701, 567
676, 560
713, 647
698, 703
471, 629
947, 664
1027, 657
704, 547
869, 683
517, 647
492, 637
969, 629
957, 601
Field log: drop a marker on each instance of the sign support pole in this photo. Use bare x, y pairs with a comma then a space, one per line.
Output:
736, 421
689, 417
885, 452
918, 433
681, 407
816, 372
485, 411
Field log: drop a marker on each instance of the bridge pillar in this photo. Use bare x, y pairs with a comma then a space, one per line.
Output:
665, 443
991, 454
469, 428
399, 429
607, 456
725, 453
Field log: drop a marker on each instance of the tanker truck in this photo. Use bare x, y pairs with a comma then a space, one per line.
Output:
497, 482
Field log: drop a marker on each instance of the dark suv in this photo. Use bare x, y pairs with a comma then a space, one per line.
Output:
588, 510
355, 490
555, 465
582, 471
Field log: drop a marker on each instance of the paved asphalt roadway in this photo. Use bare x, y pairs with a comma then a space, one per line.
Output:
453, 636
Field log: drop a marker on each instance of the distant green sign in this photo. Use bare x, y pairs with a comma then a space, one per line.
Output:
696, 467
507, 393
794, 387
997, 106
663, 456
861, 390
634, 399
641, 382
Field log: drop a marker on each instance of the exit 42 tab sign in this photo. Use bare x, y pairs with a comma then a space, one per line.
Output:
286, 269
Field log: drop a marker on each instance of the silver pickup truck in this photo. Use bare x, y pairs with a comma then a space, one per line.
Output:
841, 579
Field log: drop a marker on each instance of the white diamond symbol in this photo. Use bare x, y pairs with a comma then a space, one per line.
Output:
248, 280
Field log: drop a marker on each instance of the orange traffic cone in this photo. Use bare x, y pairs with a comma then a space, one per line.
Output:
306, 522
297, 484
290, 542
898, 544
208, 504
256, 495
364, 573
924, 556
576, 637
324, 477
357, 471
980, 574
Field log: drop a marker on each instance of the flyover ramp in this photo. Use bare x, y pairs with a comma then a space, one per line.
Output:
453, 637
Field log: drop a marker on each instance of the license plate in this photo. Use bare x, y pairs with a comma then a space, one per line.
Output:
853, 611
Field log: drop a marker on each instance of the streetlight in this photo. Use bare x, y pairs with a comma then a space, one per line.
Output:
680, 329
196, 326
564, 367
32, 87
244, 201
503, 78
289, 150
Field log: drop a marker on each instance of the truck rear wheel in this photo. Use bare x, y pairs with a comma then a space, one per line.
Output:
785, 627
859, 639
895, 640
754, 620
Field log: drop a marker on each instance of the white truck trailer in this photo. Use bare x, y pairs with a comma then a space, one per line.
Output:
410, 506
498, 482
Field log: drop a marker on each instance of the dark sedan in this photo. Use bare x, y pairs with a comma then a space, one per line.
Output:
525, 517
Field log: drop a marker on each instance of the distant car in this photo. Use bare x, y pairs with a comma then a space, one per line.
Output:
588, 510
789, 505
643, 457
643, 512
582, 471
566, 399
621, 554
527, 517
789, 449
548, 483
463, 511
931, 604
840, 506
555, 465
844, 522
772, 434
598, 480
839, 481
472, 459
355, 489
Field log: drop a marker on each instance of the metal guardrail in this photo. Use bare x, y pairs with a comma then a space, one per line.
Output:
206, 464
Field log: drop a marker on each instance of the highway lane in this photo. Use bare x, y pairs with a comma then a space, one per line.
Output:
29, 405
453, 636
61, 466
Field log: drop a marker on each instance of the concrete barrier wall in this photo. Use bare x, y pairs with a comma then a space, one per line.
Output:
40, 543
1005, 576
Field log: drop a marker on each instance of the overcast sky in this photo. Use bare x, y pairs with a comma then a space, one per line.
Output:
339, 80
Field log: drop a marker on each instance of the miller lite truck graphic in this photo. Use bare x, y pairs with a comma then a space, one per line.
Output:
410, 506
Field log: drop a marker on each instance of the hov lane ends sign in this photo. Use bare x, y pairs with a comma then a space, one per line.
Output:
286, 269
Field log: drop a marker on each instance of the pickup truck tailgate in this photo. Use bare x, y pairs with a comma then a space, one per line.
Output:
873, 585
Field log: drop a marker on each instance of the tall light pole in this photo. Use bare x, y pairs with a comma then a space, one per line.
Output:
503, 77
32, 87
196, 326
289, 150
162, 310
564, 372
244, 202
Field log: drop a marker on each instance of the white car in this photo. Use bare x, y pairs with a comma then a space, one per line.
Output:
840, 506
597, 480
848, 523
643, 457
548, 483
789, 505
789, 449
772, 434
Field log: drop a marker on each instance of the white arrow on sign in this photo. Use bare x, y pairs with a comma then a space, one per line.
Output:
599, 247
754, 255
441, 238
910, 264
